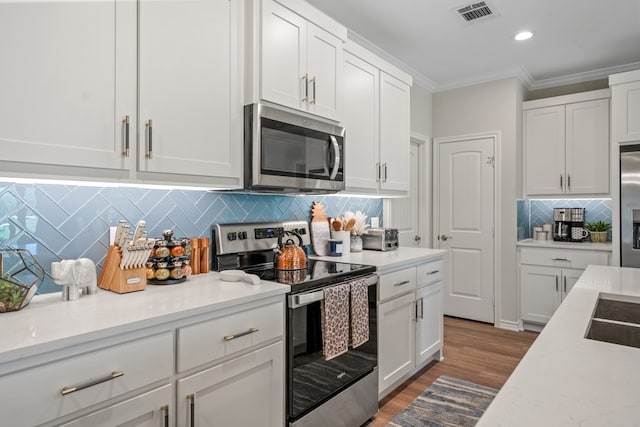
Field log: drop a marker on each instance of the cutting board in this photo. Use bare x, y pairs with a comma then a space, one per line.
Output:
320, 233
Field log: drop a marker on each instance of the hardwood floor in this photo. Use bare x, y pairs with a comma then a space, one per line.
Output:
473, 351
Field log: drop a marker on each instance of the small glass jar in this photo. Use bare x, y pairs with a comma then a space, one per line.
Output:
356, 244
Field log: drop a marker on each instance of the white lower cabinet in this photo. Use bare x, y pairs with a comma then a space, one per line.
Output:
543, 289
135, 379
245, 391
150, 409
429, 322
396, 336
409, 322
546, 277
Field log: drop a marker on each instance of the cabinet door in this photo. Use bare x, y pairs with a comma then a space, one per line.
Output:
67, 81
190, 88
283, 56
361, 118
245, 391
429, 322
150, 409
626, 112
587, 147
539, 292
544, 133
394, 133
569, 279
324, 66
396, 337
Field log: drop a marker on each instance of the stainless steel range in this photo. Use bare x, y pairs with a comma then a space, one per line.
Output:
342, 391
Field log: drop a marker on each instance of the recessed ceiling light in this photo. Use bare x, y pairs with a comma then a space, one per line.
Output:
524, 35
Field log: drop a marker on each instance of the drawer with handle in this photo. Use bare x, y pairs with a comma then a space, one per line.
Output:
397, 283
430, 272
63, 387
213, 339
579, 259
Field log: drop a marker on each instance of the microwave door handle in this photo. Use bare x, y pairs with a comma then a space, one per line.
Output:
336, 157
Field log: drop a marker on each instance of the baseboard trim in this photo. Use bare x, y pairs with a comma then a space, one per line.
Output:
509, 325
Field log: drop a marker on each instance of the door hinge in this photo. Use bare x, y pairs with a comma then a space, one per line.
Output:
491, 161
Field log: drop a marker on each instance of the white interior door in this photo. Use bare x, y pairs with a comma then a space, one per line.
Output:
404, 213
465, 205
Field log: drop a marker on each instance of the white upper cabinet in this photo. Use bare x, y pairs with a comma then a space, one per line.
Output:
189, 88
362, 120
300, 58
395, 98
625, 106
82, 71
377, 123
566, 145
67, 82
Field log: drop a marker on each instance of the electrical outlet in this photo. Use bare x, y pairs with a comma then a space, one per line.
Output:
375, 222
112, 235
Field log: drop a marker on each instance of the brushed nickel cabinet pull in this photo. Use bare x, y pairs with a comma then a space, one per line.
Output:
556, 283
561, 259
417, 311
241, 334
165, 415
561, 182
568, 182
565, 284
192, 409
313, 83
125, 153
422, 308
68, 390
379, 172
150, 142
306, 88
385, 171
429, 273
404, 282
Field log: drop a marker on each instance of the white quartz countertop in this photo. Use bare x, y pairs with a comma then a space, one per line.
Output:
566, 245
48, 323
389, 260
567, 380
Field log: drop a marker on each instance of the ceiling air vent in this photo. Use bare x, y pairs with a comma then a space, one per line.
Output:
476, 11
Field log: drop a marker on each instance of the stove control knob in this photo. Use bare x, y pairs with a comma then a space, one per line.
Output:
231, 236
242, 235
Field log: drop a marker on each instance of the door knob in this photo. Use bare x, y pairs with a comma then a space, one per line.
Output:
417, 238
444, 237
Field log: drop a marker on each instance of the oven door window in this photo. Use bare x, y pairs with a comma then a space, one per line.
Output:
311, 379
289, 150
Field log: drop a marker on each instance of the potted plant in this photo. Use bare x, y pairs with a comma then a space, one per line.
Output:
598, 231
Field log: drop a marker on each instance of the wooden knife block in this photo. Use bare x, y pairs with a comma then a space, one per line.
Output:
113, 278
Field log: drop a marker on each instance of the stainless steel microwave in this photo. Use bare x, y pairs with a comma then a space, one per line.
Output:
288, 152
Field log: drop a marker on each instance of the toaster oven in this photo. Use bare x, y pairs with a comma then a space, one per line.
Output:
380, 239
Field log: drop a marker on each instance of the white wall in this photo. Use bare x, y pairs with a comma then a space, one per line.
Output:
489, 107
421, 111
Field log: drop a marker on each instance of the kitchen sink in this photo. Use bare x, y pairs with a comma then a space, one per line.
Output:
616, 321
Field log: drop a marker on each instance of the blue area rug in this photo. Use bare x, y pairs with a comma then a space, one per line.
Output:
447, 402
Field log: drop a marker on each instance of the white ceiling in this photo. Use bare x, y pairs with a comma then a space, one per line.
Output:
574, 40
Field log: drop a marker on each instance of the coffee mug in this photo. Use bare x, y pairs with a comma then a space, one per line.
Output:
579, 233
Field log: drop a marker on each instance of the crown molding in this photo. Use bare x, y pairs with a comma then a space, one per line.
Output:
518, 73
586, 76
418, 78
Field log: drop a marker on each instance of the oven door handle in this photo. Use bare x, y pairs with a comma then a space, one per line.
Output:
296, 301
300, 300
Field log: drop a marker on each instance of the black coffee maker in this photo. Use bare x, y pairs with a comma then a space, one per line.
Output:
564, 221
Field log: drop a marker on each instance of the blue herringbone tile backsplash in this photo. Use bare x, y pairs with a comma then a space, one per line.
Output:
533, 213
57, 221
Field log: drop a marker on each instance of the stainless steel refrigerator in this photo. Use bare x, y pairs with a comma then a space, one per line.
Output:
630, 205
